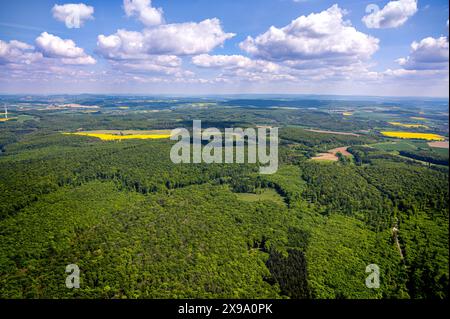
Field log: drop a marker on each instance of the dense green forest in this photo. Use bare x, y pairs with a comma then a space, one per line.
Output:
139, 226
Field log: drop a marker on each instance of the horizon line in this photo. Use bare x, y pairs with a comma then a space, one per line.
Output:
232, 94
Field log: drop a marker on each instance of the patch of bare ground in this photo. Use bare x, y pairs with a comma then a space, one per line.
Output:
325, 157
331, 155
342, 150
438, 144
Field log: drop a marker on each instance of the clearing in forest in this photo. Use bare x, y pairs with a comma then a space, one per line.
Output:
263, 194
331, 155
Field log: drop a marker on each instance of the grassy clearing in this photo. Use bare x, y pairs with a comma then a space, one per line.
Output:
411, 146
441, 151
262, 195
397, 146
24, 118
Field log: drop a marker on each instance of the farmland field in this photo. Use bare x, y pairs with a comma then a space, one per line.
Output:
333, 132
399, 146
439, 144
408, 125
112, 135
411, 135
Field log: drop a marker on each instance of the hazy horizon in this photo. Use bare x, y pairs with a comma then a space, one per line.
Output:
247, 95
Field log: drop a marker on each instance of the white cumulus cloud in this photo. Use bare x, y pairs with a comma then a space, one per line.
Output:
428, 54
316, 40
51, 59
143, 10
52, 46
393, 15
158, 49
16, 52
73, 15
171, 39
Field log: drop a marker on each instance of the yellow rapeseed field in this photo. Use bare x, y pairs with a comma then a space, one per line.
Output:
418, 118
408, 125
418, 136
114, 137
347, 113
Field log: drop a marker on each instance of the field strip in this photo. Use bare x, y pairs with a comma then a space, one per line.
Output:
442, 144
333, 132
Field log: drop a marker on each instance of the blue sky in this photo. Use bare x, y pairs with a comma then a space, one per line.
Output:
400, 50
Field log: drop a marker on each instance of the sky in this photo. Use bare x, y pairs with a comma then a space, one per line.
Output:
195, 47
